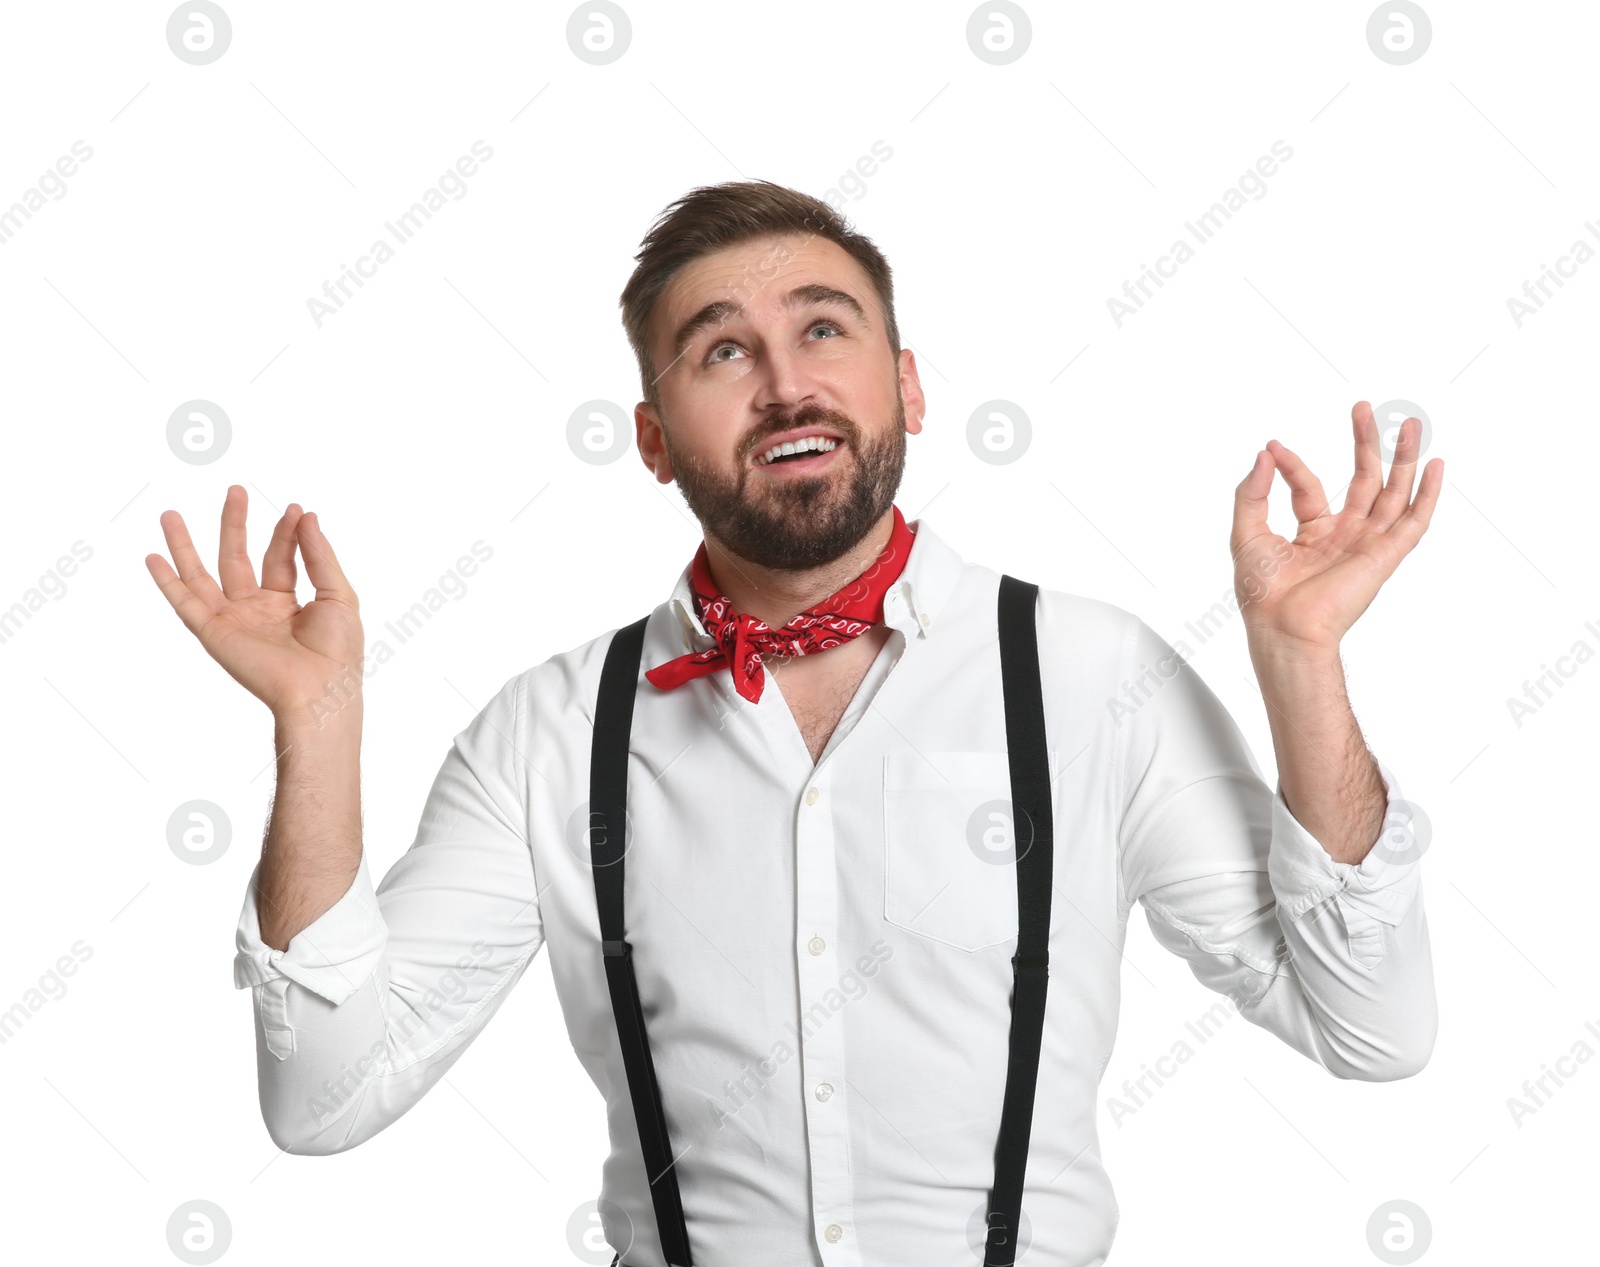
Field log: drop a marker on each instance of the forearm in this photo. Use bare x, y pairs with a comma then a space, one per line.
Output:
1245, 885
1329, 779
313, 843
385, 987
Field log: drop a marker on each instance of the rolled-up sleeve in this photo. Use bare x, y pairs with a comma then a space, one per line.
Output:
333, 956
1331, 957
372, 1002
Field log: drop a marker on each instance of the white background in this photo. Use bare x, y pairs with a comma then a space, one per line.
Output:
431, 412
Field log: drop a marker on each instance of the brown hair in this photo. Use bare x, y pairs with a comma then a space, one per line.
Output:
711, 217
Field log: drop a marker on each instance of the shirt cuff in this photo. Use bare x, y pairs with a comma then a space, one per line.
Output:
1382, 886
332, 956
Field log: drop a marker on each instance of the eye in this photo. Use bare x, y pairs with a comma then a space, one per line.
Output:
712, 357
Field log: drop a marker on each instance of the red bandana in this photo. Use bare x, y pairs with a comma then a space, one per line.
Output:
743, 640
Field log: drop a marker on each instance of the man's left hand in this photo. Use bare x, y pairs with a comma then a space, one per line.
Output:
1299, 597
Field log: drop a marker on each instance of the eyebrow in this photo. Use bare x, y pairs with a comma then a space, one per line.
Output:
720, 310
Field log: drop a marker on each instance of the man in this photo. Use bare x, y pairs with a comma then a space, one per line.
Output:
822, 853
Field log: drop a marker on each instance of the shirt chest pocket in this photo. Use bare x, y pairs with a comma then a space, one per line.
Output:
950, 846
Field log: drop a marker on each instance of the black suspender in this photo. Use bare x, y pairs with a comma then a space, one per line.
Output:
608, 799
1033, 831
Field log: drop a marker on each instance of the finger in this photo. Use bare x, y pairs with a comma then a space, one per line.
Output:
192, 572
1408, 529
277, 564
233, 561
190, 609
1250, 504
1307, 498
322, 565
1396, 495
1368, 479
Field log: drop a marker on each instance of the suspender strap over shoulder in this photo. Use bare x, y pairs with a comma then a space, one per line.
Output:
608, 799
1033, 831
1034, 836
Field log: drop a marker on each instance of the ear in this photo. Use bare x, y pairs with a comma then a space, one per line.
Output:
911, 392
647, 431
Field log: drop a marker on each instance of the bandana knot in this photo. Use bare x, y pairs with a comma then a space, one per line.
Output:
743, 641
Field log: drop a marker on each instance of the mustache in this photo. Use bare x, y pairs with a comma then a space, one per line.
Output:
809, 417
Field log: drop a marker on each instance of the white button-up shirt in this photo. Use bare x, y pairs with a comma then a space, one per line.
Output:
824, 950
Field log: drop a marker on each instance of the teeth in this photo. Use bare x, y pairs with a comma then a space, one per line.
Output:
820, 443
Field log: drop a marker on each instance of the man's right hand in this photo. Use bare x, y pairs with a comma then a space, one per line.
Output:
284, 654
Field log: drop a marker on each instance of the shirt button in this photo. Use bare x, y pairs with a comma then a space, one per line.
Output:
833, 1231
811, 796
825, 1091
923, 617
816, 945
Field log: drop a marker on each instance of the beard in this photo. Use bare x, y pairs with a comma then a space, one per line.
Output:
795, 524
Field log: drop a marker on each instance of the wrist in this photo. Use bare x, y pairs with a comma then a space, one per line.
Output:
1274, 651
1295, 682
319, 721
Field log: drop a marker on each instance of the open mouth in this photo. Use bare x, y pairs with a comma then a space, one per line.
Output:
803, 459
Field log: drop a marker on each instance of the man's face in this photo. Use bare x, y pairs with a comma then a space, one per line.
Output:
773, 336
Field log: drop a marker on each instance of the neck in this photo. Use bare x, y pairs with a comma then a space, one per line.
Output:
777, 596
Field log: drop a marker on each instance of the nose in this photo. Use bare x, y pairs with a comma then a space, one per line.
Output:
785, 385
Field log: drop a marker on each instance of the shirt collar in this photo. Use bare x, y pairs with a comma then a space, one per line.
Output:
911, 605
